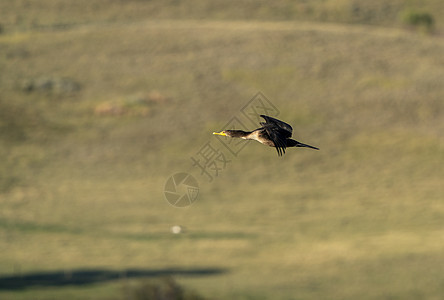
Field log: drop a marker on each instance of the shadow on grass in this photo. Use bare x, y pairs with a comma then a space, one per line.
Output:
84, 277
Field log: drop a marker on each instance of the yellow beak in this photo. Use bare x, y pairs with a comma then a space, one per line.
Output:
220, 133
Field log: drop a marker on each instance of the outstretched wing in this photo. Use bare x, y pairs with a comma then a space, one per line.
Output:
282, 125
278, 132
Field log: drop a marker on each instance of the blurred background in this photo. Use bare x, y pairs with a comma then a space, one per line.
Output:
101, 101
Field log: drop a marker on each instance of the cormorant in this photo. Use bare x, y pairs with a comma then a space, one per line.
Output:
273, 133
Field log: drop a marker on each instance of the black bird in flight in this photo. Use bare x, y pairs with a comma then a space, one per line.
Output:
273, 133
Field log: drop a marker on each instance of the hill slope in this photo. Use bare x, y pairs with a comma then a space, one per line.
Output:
96, 117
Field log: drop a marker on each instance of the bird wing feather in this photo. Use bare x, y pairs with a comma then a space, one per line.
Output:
278, 132
277, 136
282, 125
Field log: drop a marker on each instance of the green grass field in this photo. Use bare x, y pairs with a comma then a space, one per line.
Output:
101, 101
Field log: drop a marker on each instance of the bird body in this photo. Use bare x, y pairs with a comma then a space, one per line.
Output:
273, 133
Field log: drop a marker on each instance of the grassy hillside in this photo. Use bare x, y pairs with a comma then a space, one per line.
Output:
46, 14
97, 115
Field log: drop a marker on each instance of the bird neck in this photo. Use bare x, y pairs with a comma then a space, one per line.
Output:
238, 133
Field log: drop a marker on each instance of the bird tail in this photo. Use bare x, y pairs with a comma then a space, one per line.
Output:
293, 143
305, 145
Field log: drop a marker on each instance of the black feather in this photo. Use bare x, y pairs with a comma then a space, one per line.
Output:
273, 133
